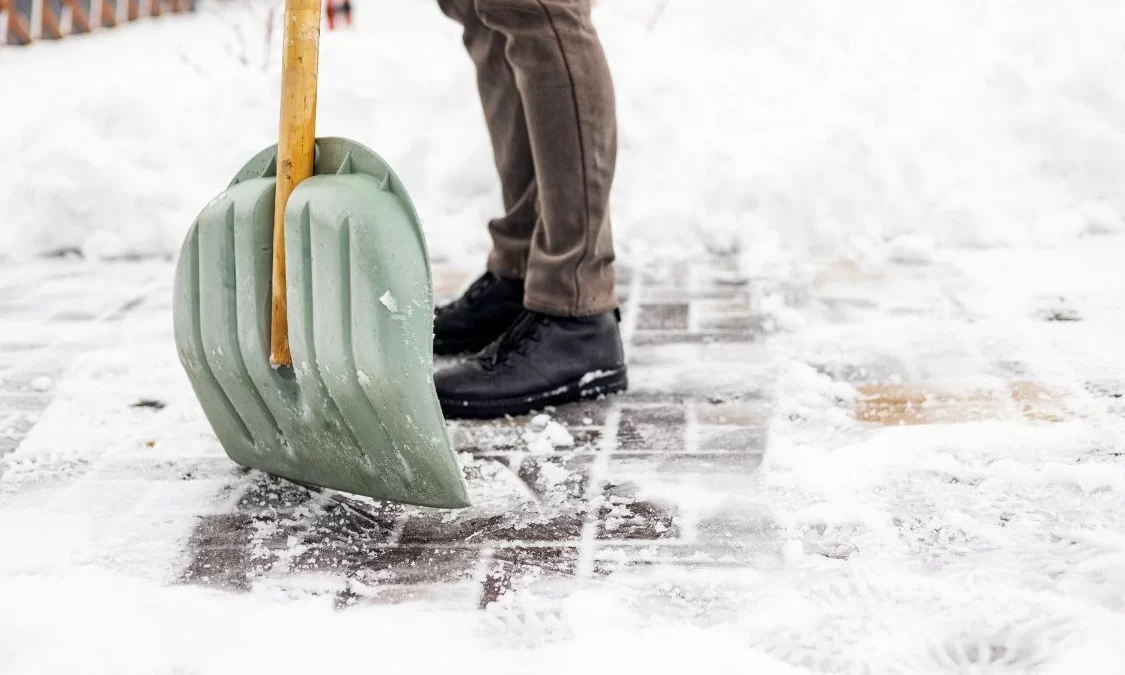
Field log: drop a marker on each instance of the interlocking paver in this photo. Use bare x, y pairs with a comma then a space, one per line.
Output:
731, 437
400, 565
653, 495
755, 554
555, 475
513, 568
651, 428
699, 464
697, 411
501, 438
641, 519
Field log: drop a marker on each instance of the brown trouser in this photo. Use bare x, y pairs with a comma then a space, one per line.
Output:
548, 100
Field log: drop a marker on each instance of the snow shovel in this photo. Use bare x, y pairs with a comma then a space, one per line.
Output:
303, 311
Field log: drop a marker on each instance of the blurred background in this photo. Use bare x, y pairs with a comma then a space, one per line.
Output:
871, 128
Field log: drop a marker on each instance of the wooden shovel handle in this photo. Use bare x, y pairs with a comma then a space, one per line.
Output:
295, 148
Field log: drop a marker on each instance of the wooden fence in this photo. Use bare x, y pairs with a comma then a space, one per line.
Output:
58, 18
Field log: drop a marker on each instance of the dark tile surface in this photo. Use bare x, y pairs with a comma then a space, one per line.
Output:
651, 428
680, 464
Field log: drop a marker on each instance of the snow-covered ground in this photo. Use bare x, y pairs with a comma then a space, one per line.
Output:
925, 198
813, 123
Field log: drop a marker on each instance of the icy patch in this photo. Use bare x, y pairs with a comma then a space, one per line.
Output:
389, 302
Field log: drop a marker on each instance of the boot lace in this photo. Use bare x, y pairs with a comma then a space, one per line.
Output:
516, 339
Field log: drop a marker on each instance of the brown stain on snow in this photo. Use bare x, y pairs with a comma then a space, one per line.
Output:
910, 404
1038, 402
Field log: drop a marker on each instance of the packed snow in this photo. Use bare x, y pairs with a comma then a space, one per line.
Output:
928, 192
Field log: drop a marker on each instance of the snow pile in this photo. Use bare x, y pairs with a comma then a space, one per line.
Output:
545, 435
806, 395
755, 126
123, 163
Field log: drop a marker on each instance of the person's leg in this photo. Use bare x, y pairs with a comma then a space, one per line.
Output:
568, 107
507, 129
495, 300
567, 346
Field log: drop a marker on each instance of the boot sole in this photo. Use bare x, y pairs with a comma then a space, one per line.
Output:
609, 382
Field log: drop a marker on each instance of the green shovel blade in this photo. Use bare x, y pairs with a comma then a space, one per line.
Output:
357, 412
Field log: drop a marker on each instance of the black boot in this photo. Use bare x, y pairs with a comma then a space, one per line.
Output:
473, 321
540, 361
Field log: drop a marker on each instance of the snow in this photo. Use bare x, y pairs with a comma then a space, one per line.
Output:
552, 476
165, 630
591, 376
926, 190
1003, 509
914, 248
41, 383
389, 302
783, 128
546, 435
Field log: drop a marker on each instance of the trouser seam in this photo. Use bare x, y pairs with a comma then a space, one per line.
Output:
582, 157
